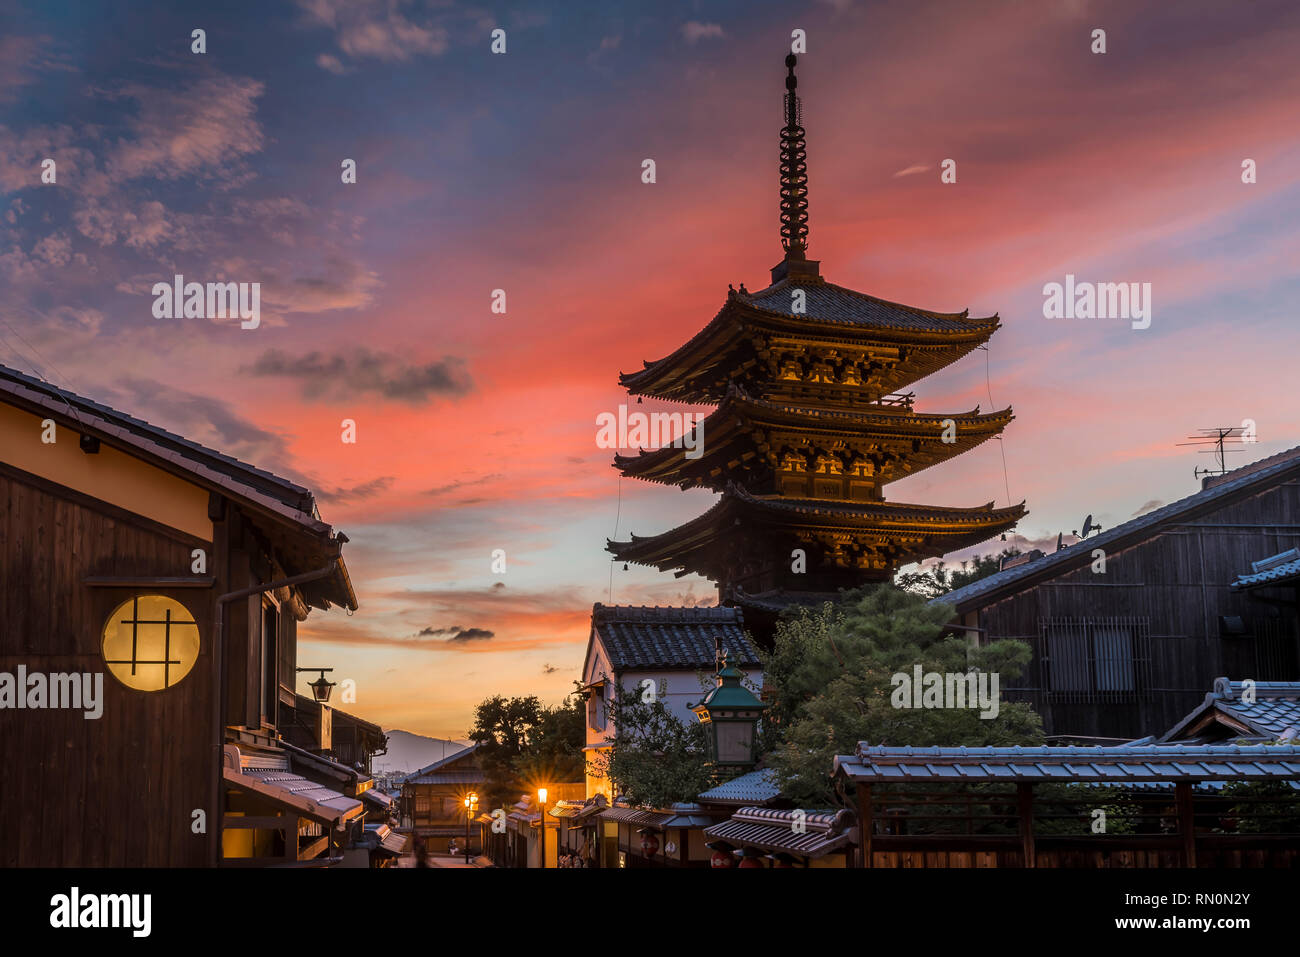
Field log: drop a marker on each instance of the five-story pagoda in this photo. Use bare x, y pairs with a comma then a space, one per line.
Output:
810, 425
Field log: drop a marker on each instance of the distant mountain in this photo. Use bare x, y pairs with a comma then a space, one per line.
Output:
410, 752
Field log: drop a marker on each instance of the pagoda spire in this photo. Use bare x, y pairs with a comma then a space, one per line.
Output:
794, 171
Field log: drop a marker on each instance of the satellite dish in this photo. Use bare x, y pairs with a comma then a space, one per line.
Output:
1088, 528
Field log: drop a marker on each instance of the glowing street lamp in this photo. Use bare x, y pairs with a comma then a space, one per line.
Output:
541, 825
471, 805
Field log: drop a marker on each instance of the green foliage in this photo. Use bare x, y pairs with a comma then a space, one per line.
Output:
938, 580
1262, 807
655, 759
828, 680
524, 744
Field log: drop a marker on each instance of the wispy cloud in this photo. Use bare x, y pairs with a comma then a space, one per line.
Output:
380, 29
354, 374
694, 31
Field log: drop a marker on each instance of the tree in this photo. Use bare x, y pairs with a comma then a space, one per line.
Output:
829, 681
522, 744
655, 759
938, 580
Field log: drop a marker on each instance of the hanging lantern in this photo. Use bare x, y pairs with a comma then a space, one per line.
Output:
649, 843
720, 859
752, 857
730, 714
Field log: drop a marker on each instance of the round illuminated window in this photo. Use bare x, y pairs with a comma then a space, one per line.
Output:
150, 642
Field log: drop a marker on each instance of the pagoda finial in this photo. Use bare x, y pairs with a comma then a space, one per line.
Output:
794, 171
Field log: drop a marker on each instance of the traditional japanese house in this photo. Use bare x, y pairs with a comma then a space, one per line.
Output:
675, 650
811, 423
582, 832
1235, 711
433, 800
1135, 805
1130, 626
182, 573
526, 824
662, 837
316, 726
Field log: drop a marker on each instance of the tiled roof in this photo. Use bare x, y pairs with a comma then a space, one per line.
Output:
1275, 710
261, 491
756, 787
640, 637
449, 777
442, 763
679, 815
287, 492
322, 803
1144, 526
1119, 764
1277, 575
819, 833
827, 302
381, 837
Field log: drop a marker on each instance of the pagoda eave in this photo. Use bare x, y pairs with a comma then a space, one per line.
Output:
742, 527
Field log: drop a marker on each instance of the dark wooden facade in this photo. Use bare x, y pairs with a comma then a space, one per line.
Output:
1128, 652
116, 790
123, 789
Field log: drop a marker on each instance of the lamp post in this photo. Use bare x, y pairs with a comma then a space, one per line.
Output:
471, 805
541, 827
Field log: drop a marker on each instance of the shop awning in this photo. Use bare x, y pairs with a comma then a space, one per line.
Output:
814, 834
269, 778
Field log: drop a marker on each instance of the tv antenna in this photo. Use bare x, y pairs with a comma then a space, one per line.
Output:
1215, 440
1088, 528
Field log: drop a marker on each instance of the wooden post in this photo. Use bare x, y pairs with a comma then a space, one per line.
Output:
1186, 821
1025, 811
864, 825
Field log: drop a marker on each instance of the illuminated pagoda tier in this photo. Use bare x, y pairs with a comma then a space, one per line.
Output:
811, 423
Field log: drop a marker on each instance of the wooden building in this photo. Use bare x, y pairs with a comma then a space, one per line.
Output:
315, 726
1199, 588
1198, 805
811, 423
153, 589
676, 649
432, 805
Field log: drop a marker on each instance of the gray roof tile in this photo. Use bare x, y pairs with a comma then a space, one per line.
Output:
831, 303
640, 637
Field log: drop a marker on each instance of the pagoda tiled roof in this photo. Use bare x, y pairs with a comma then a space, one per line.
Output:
833, 314
654, 637
828, 303
669, 464
955, 527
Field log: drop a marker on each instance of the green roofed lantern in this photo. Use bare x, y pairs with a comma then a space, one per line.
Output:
730, 714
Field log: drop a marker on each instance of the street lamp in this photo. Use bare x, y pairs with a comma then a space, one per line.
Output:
471, 805
541, 826
320, 688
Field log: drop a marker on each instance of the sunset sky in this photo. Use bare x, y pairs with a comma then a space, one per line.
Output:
522, 172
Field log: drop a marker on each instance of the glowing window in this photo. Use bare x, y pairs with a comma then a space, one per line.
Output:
150, 642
